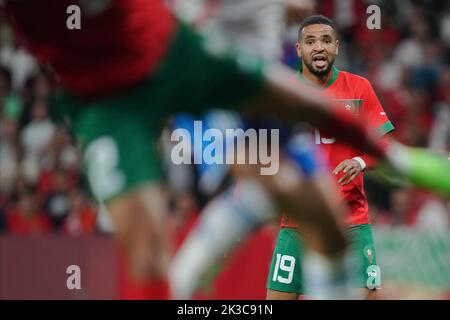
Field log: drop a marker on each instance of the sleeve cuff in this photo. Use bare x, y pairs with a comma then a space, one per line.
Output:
361, 162
386, 128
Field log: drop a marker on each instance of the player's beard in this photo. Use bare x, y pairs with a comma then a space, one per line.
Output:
320, 73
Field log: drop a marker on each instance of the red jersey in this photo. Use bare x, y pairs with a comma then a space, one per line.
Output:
119, 43
356, 95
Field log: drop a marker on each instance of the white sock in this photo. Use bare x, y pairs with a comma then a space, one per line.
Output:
327, 278
222, 224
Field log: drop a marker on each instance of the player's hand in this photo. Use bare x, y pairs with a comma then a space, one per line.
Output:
351, 169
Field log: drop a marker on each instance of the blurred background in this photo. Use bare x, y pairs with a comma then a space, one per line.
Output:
48, 220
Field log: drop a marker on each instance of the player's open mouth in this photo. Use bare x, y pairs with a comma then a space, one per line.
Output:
320, 61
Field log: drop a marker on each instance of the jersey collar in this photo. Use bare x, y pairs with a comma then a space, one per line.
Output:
330, 82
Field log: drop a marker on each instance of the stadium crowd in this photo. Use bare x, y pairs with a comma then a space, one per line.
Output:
407, 60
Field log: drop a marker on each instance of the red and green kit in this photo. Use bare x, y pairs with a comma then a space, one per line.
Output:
355, 95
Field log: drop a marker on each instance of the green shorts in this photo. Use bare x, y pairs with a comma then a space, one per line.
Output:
118, 134
285, 274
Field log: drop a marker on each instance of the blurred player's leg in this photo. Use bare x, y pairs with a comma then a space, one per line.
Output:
223, 222
122, 167
139, 221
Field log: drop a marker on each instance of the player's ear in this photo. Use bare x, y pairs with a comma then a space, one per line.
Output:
298, 48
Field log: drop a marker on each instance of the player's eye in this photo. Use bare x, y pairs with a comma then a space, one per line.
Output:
309, 42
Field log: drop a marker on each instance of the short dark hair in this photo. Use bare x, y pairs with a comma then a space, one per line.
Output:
316, 19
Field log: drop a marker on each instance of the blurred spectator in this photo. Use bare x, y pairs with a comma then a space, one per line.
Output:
296, 11
61, 152
445, 32
373, 51
410, 109
20, 62
5, 82
35, 137
411, 207
56, 197
401, 202
56, 178
9, 155
345, 13
37, 87
410, 51
433, 215
26, 218
41, 87
10, 104
439, 140
81, 219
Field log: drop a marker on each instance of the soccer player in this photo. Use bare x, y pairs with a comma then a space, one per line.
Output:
318, 47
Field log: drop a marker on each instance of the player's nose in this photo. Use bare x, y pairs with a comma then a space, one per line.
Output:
319, 47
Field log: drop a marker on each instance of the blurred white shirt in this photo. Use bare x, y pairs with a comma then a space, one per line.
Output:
35, 137
254, 26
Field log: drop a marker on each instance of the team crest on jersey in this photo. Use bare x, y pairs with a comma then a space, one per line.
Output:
352, 105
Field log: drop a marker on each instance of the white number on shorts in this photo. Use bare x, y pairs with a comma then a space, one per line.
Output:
284, 263
102, 158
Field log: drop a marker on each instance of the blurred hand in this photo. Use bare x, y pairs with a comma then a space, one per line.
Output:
351, 169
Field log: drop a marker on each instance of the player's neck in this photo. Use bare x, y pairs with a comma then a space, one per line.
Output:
317, 80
